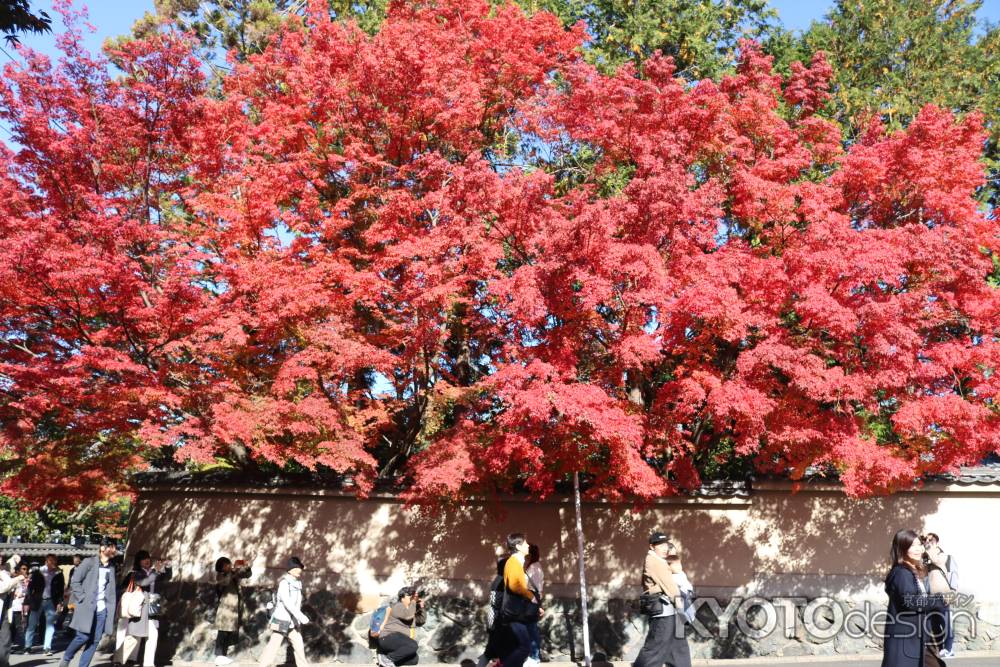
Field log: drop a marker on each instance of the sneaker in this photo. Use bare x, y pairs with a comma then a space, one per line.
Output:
49, 653
945, 653
531, 662
384, 661
223, 660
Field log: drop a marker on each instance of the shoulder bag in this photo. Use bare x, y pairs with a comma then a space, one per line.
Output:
132, 600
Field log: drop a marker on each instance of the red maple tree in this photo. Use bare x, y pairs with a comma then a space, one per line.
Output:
456, 251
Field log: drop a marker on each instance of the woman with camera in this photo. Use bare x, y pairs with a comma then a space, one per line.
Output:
907, 637
661, 600
396, 643
228, 576
146, 576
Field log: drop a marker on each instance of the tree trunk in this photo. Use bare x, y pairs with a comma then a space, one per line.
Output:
583, 577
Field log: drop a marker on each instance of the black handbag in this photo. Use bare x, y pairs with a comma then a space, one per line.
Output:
518, 609
155, 605
281, 627
651, 604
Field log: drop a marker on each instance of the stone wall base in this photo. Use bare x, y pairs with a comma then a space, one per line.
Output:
455, 629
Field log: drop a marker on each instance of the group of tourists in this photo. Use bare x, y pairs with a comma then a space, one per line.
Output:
90, 600
513, 614
921, 585
35, 598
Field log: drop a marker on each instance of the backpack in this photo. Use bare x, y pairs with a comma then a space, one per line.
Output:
273, 602
378, 618
688, 611
495, 601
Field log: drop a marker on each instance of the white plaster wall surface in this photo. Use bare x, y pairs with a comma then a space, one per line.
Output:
811, 543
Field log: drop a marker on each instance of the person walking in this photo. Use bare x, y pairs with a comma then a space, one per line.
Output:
907, 639
665, 641
19, 621
230, 608
67, 608
9, 581
942, 577
95, 600
498, 638
520, 604
397, 644
287, 617
44, 597
145, 576
536, 581
684, 586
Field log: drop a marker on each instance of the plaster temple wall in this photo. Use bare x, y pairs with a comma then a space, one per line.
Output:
770, 542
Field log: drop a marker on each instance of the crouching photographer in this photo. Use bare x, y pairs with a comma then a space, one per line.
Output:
396, 638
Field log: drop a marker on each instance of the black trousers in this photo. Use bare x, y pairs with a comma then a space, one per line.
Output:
223, 640
665, 644
399, 648
522, 645
500, 641
17, 630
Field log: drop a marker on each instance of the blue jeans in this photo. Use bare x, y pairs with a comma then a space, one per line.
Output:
536, 641
49, 609
88, 641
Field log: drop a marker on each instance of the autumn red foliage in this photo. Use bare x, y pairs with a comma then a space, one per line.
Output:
374, 254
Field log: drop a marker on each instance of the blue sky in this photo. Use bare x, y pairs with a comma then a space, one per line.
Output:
114, 17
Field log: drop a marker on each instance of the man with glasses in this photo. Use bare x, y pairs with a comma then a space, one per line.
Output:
94, 597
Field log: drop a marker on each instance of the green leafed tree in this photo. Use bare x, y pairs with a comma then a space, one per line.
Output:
701, 35
892, 57
241, 26
244, 27
104, 517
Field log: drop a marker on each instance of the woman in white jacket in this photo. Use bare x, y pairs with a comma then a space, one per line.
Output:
287, 617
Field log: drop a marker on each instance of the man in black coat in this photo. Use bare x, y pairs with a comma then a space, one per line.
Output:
95, 598
45, 597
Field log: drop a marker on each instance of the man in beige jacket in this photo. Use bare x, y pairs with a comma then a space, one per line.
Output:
665, 642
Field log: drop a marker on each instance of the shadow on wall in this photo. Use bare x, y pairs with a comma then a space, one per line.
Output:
824, 543
358, 553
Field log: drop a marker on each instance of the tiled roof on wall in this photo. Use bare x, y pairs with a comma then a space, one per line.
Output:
986, 474
30, 550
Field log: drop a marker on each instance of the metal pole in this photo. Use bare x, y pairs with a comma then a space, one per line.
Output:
583, 576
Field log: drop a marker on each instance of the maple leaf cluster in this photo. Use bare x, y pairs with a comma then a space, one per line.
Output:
457, 252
